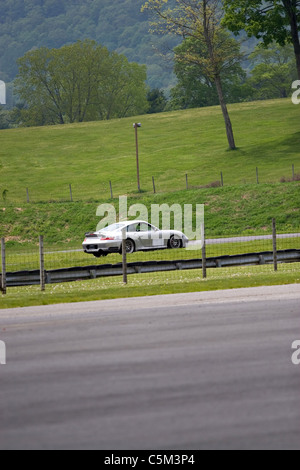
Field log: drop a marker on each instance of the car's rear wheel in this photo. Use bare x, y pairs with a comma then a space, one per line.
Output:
130, 246
175, 243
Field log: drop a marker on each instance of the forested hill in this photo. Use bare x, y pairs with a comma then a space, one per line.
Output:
116, 24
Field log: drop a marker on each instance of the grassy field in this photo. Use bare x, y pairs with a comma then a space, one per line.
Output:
229, 211
46, 160
88, 156
152, 284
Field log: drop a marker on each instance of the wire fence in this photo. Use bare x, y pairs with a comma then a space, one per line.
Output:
221, 257
76, 192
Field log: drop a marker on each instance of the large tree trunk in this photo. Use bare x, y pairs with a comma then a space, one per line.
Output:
227, 120
291, 8
296, 42
209, 32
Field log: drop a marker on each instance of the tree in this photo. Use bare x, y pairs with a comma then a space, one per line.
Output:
199, 20
77, 83
274, 71
157, 101
124, 93
195, 87
269, 20
59, 85
117, 24
4, 118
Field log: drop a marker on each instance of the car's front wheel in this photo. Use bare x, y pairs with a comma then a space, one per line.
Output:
175, 243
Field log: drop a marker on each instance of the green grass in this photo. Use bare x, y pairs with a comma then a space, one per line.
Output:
229, 211
21, 259
46, 160
152, 284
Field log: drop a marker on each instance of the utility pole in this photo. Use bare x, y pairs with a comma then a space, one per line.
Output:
136, 126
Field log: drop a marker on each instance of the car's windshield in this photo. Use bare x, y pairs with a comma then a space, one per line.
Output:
113, 227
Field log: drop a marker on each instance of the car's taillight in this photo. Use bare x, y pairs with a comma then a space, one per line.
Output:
106, 239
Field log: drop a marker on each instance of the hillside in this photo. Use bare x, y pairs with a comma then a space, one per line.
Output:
232, 211
46, 160
118, 25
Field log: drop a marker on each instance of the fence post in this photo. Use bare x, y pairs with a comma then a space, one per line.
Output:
42, 264
293, 171
187, 181
257, 178
71, 194
111, 190
275, 258
124, 255
204, 270
222, 180
153, 181
3, 264
27, 195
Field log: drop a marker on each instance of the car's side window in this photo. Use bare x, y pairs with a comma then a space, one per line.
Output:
132, 228
145, 228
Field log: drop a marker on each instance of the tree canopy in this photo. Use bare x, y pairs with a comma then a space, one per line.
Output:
207, 59
195, 87
200, 22
269, 20
274, 71
77, 83
119, 25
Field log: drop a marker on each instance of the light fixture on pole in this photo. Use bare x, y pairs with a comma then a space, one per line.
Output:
136, 126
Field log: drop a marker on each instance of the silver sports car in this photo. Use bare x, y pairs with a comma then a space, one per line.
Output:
140, 236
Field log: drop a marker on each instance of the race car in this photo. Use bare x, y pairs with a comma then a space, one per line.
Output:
140, 236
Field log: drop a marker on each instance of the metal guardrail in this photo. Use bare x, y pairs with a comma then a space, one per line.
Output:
25, 278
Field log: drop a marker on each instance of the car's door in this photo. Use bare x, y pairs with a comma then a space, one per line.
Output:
152, 238
145, 232
145, 236
157, 237
134, 232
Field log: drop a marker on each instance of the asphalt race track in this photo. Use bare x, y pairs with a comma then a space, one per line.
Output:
190, 372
